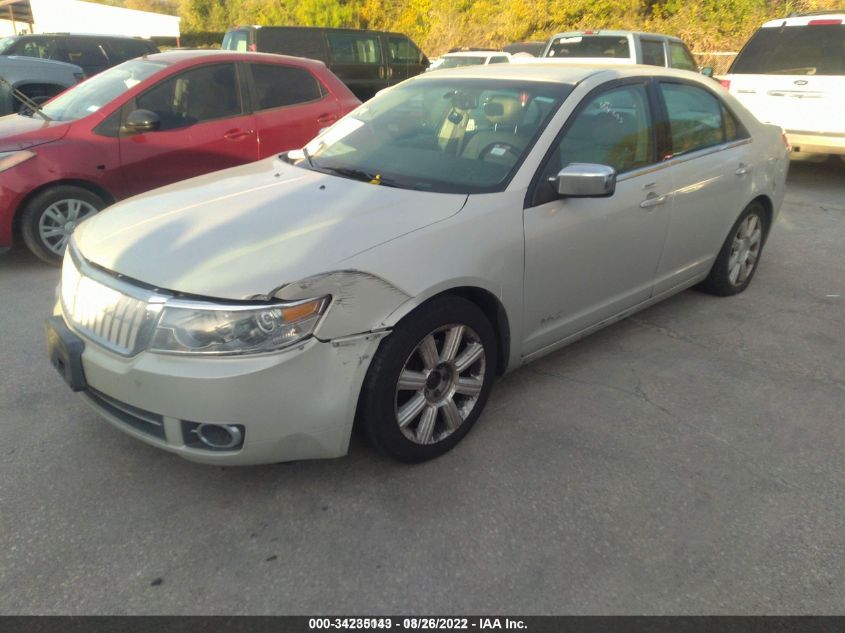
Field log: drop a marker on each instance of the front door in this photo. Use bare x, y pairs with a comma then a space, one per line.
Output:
203, 129
405, 60
589, 259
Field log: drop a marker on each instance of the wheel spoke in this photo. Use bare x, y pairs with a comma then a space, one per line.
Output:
410, 380
52, 232
451, 415
411, 409
733, 275
425, 430
73, 207
454, 338
469, 386
428, 352
55, 215
471, 354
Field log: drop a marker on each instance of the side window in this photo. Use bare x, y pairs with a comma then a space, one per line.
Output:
38, 47
614, 129
84, 52
278, 86
653, 54
122, 50
201, 94
734, 130
499, 59
681, 57
695, 117
352, 48
403, 51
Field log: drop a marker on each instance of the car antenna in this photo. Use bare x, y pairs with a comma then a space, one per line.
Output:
29, 103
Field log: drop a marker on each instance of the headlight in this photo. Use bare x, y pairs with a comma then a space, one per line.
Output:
10, 159
196, 329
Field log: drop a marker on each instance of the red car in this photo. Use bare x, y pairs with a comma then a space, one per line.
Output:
149, 122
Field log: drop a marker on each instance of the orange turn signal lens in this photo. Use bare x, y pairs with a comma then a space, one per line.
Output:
303, 310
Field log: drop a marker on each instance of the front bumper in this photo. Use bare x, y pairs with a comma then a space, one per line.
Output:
809, 143
293, 405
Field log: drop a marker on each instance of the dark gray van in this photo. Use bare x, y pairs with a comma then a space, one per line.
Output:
366, 61
93, 53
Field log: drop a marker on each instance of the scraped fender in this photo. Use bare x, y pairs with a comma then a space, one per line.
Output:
361, 302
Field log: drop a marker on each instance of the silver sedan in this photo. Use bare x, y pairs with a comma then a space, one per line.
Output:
453, 228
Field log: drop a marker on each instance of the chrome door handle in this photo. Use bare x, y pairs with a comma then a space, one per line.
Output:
653, 200
743, 169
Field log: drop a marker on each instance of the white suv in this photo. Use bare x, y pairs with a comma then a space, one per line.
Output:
792, 73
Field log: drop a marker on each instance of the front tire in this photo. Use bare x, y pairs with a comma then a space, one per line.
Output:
740, 254
48, 219
429, 380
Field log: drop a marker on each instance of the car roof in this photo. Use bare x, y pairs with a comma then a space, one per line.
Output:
559, 73
188, 56
611, 33
476, 54
804, 20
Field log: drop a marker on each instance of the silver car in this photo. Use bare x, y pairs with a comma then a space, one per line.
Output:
452, 229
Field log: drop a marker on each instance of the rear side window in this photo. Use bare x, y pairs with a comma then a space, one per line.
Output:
590, 46
84, 52
120, 51
653, 54
292, 41
201, 94
354, 48
680, 57
696, 118
278, 86
817, 49
500, 59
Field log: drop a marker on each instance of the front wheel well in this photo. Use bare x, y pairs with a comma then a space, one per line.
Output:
97, 190
495, 313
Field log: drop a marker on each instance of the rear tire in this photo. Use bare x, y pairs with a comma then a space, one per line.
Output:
429, 380
740, 254
50, 216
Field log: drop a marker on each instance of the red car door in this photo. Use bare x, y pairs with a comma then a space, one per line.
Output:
202, 128
291, 106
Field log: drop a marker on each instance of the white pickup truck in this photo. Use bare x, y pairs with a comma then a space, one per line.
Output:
792, 73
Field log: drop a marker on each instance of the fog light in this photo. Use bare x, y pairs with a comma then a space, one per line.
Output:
215, 437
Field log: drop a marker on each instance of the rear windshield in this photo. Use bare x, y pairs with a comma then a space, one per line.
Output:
6, 42
794, 50
590, 46
455, 62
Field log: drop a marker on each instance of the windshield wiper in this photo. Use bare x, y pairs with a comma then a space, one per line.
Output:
364, 176
29, 103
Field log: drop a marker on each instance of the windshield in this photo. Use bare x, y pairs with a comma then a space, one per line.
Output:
443, 135
464, 60
794, 50
614, 46
5, 43
236, 41
89, 96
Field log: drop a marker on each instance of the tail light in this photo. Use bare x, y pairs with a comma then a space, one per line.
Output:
823, 22
725, 83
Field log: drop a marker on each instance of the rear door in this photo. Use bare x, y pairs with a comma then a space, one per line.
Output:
794, 76
204, 128
653, 52
290, 106
357, 59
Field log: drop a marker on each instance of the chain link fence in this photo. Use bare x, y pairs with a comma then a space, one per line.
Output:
718, 61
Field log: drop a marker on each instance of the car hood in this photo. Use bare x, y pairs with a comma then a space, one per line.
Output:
22, 132
245, 231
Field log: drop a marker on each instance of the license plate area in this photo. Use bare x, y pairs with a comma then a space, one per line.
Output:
65, 350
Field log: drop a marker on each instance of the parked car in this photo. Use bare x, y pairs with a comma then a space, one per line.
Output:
37, 79
93, 53
150, 122
451, 229
471, 58
622, 47
792, 73
366, 61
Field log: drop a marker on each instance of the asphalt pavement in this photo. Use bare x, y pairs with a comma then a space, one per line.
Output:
690, 459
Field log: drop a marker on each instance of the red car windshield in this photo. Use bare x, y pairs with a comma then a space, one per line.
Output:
91, 95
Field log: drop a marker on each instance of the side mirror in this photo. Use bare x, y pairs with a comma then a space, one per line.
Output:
140, 121
585, 180
707, 71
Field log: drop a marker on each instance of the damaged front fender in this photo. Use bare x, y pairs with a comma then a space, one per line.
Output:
361, 302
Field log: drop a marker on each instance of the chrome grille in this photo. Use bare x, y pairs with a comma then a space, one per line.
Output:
107, 314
